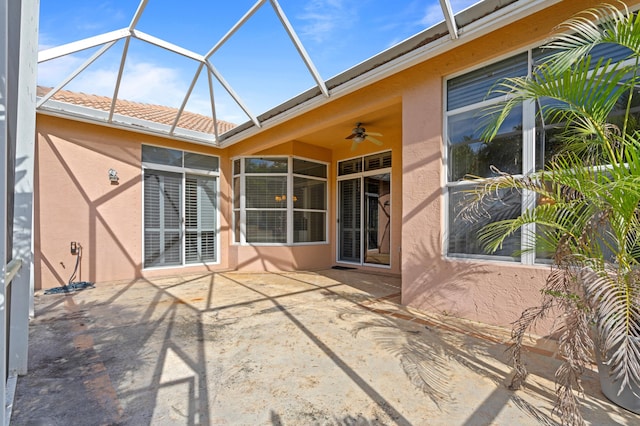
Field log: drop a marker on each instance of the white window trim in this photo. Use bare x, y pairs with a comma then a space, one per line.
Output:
289, 207
361, 175
184, 171
528, 162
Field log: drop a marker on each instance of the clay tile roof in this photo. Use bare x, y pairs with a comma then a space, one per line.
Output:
156, 113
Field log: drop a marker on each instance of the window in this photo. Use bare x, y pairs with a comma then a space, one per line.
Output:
468, 155
279, 200
180, 207
522, 145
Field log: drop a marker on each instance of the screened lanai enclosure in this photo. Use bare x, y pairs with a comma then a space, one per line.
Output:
204, 58
155, 122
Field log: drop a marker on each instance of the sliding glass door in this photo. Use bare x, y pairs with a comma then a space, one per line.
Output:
350, 223
364, 210
180, 207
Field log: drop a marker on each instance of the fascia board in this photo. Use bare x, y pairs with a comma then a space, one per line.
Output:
100, 117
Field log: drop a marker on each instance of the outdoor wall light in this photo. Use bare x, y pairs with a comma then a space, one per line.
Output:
113, 176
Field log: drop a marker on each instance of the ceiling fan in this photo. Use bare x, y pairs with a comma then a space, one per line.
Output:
359, 134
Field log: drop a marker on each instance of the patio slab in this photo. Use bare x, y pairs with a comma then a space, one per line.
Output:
302, 348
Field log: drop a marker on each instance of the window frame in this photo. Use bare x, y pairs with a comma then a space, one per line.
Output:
362, 174
529, 158
239, 213
183, 171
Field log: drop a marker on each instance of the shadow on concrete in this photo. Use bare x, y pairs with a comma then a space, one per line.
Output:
326, 347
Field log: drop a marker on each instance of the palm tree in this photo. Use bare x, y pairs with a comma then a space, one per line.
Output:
587, 213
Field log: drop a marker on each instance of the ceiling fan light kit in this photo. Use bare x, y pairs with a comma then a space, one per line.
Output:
359, 134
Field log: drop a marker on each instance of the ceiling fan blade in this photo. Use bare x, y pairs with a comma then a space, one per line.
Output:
354, 145
351, 136
374, 140
374, 134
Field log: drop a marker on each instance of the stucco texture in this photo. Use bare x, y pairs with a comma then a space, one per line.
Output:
76, 201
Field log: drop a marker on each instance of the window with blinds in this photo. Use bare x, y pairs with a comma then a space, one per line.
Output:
162, 213
522, 144
279, 200
364, 210
200, 219
381, 160
180, 207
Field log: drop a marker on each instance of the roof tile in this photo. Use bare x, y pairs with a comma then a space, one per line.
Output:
155, 113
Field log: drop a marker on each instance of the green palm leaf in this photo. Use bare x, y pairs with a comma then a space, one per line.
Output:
587, 213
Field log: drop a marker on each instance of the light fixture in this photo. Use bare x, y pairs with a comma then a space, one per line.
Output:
113, 176
358, 138
281, 198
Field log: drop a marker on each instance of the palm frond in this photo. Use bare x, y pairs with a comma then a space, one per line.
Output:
587, 215
575, 346
575, 38
581, 97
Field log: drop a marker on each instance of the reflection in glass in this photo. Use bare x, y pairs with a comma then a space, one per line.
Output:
463, 231
470, 156
377, 219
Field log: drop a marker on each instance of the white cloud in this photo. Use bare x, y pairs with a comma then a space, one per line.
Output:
144, 82
433, 13
323, 17
152, 83
51, 73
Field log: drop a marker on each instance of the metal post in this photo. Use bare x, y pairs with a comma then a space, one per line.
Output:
4, 136
22, 285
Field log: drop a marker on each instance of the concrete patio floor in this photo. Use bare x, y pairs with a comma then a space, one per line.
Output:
307, 348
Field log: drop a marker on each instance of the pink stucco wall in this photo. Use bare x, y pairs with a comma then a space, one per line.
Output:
283, 258
76, 202
490, 292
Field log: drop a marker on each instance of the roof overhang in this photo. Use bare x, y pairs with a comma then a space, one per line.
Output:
118, 121
472, 23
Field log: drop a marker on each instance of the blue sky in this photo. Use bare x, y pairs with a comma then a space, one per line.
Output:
259, 61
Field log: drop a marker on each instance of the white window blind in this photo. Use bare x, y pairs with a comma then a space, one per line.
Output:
162, 214
180, 207
350, 219
309, 210
279, 200
200, 219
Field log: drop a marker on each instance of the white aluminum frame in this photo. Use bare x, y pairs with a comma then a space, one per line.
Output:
108, 39
289, 208
18, 43
361, 175
184, 171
